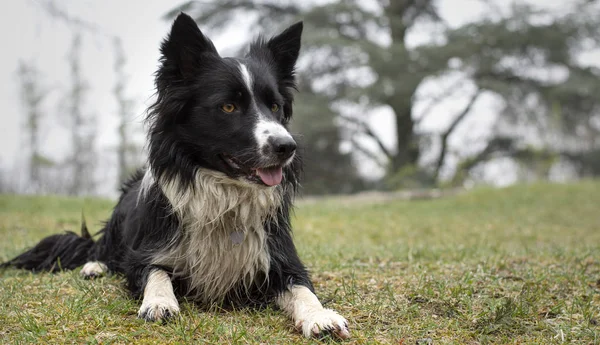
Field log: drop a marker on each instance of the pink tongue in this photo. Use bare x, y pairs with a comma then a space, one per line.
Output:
270, 176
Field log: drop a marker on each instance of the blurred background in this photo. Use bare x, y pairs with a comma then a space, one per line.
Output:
394, 94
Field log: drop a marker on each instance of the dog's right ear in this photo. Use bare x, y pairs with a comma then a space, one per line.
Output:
185, 46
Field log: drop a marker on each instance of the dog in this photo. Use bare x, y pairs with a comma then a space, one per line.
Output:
209, 218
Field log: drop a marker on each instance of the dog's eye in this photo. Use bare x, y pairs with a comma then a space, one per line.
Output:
228, 108
275, 107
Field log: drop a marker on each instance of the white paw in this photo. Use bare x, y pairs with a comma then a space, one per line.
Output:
322, 321
158, 308
93, 269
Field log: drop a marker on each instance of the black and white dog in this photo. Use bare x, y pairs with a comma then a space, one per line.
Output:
209, 220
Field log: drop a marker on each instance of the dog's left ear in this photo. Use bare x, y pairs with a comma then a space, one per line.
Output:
283, 50
285, 47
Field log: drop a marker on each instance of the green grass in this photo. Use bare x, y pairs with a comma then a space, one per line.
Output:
512, 266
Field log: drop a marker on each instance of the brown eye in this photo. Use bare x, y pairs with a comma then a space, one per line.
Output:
275, 107
228, 108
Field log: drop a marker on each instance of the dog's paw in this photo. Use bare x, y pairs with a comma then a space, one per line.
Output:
321, 322
93, 269
158, 309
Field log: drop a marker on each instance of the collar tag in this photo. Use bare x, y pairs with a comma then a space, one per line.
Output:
237, 237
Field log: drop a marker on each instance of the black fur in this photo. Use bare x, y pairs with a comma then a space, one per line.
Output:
188, 132
54, 253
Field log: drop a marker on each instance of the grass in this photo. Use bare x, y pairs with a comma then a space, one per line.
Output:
513, 266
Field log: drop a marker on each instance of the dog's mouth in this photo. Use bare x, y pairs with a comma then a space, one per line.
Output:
268, 175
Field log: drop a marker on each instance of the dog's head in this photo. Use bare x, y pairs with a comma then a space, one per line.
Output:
225, 114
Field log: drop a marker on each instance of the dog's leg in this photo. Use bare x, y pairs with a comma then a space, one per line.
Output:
309, 315
159, 299
104, 252
292, 288
93, 269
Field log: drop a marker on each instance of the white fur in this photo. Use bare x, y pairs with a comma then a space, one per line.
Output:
93, 269
309, 315
205, 253
159, 300
147, 182
265, 129
248, 80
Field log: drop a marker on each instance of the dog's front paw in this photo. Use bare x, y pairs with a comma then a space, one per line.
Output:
158, 309
319, 322
93, 269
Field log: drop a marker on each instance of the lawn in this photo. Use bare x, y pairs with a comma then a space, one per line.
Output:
519, 265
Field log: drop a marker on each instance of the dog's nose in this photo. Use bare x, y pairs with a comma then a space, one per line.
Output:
284, 146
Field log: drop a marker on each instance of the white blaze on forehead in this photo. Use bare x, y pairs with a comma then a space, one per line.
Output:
265, 129
248, 80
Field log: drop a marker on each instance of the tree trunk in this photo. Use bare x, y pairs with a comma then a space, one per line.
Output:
32, 95
407, 147
123, 113
82, 129
34, 160
77, 159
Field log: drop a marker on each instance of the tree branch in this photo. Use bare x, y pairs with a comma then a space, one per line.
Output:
215, 14
448, 132
418, 8
498, 144
366, 129
372, 155
54, 11
437, 99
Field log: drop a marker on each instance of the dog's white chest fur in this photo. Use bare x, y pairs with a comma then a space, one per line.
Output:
223, 243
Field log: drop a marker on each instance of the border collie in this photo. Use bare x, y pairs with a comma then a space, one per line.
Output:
209, 219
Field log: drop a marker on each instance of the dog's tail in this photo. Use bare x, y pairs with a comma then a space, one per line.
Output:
55, 253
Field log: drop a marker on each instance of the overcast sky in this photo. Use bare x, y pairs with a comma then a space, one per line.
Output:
28, 32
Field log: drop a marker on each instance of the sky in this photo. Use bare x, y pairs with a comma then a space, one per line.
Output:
29, 33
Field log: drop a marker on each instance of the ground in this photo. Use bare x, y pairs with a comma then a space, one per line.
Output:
513, 266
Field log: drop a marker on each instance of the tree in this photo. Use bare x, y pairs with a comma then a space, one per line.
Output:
550, 106
32, 95
358, 55
125, 149
82, 127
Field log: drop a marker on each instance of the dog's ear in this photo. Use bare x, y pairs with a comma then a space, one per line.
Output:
186, 45
285, 48
281, 51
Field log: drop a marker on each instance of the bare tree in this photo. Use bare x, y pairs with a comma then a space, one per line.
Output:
125, 149
82, 127
32, 95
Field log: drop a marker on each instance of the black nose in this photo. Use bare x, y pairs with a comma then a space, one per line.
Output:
284, 147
